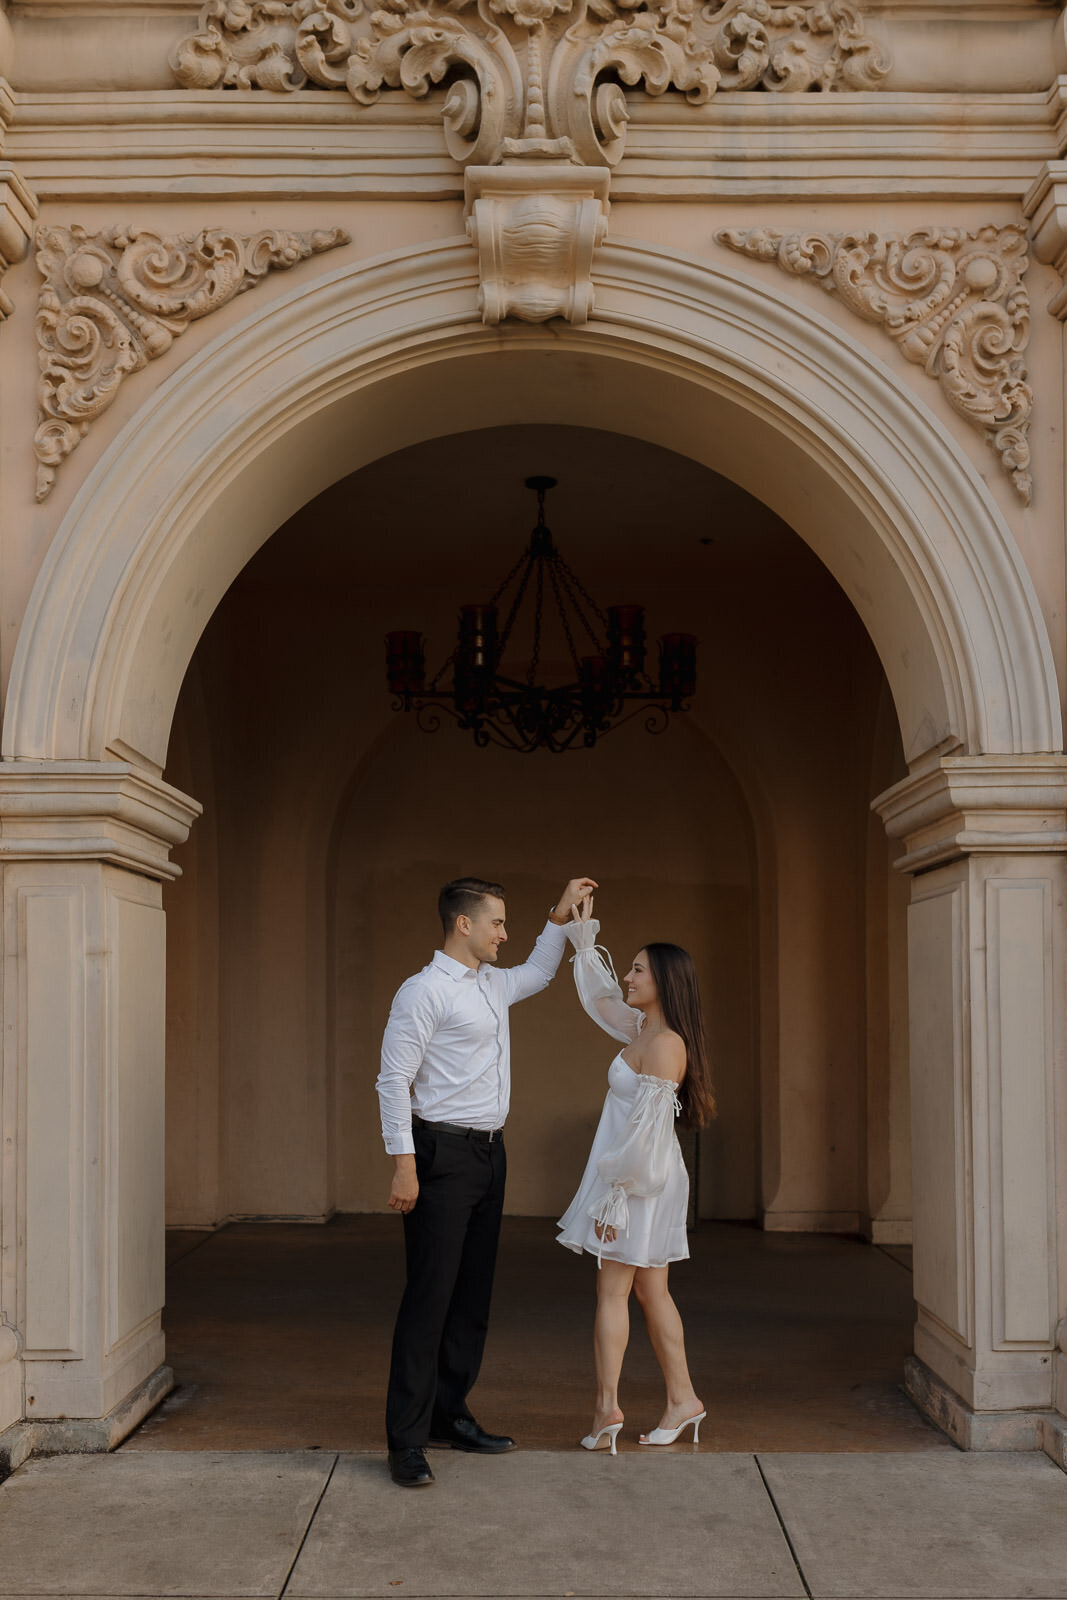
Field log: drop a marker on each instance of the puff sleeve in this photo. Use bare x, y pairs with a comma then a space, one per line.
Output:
639, 1162
598, 988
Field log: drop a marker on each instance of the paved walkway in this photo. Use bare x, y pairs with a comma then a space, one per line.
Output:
678, 1523
263, 1476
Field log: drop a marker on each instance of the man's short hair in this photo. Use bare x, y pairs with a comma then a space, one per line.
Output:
462, 897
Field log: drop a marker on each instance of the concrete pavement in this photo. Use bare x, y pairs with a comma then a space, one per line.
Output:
684, 1522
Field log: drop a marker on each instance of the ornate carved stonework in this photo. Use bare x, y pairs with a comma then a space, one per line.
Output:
112, 302
535, 231
531, 77
953, 301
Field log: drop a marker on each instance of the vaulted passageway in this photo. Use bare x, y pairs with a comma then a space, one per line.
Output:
742, 832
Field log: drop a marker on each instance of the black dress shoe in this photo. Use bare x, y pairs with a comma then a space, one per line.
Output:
463, 1433
409, 1468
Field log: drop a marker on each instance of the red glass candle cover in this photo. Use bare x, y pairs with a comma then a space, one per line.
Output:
405, 662
626, 638
677, 666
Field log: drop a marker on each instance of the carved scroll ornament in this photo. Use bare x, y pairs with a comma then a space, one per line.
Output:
954, 302
112, 302
531, 77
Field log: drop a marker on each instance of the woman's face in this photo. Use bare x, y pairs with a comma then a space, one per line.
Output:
640, 988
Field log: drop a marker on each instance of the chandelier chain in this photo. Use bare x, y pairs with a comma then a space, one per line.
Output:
574, 582
565, 577
562, 606
538, 614
517, 602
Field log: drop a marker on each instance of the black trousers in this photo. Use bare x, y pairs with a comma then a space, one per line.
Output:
450, 1240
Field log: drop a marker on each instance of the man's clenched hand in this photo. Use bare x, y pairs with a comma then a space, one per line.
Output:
405, 1189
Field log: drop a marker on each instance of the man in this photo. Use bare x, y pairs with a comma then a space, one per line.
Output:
444, 1089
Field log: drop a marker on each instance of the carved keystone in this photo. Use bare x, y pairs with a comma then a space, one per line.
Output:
535, 228
113, 301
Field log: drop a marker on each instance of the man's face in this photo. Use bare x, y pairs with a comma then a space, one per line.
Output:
487, 931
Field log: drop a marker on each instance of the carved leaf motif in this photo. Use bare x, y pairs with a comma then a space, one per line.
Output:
527, 61
764, 44
953, 301
111, 302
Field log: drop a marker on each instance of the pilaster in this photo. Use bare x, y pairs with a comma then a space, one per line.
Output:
83, 853
984, 838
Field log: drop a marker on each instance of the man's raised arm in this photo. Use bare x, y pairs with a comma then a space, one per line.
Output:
541, 965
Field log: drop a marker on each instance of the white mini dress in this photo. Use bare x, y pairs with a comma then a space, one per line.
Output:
635, 1179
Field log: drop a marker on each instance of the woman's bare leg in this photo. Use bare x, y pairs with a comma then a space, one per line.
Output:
611, 1334
668, 1341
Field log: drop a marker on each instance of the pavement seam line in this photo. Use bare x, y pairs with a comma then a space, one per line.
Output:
781, 1523
307, 1529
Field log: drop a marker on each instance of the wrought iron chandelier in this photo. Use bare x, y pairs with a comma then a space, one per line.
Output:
611, 685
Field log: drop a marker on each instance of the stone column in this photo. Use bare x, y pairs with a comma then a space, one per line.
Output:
984, 841
83, 851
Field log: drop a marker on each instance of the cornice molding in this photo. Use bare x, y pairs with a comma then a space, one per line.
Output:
201, 145
111, 302
953, 302
92, 811
969, 805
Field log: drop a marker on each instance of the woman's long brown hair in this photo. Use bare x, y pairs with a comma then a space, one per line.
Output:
675, 977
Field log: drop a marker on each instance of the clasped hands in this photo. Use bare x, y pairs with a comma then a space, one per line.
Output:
575, 903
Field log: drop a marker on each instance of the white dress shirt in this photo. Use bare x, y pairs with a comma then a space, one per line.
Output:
446, 1053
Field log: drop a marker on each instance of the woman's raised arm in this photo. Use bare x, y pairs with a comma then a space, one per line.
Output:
598, 988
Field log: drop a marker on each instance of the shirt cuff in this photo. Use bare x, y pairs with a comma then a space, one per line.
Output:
399, 1144
557, 931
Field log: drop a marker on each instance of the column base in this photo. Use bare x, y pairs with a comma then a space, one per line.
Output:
984, 1430
84, 1435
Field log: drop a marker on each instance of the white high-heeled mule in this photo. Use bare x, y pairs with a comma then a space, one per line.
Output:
668, 1435
595, 1441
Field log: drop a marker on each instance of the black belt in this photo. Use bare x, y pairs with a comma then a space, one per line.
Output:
483, 1135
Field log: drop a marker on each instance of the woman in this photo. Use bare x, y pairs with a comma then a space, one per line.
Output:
631, 1205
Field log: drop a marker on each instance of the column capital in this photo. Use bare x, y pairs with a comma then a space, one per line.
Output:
18, 212
1003, 805
1045, 208
92, 811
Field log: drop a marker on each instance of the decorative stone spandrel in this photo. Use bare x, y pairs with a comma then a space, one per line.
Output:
113, 301
953, 301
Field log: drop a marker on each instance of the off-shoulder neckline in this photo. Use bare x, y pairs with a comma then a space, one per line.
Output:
651, 1076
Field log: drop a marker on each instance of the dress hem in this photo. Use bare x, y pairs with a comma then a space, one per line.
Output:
583, 1250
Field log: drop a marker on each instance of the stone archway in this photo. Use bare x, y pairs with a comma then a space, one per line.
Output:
360, 362
131, 579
